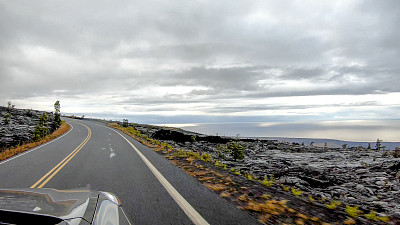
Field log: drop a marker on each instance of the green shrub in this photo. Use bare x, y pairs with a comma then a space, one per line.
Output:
10, 106
219, 164
333, 205
206, 157
372, 216
353, 211
236, 150
268, 182
193, 138
285, 188
249, 176
396, 153
125, 123
186, 154
233, 171
7, 118
221, 151
296, 192
378, 144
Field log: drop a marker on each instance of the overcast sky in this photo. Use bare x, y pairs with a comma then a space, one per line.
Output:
203, 61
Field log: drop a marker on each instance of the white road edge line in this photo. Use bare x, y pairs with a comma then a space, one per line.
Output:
125, 216
193, 215
14, 157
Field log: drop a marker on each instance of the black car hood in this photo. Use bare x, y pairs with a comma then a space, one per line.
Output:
64, 204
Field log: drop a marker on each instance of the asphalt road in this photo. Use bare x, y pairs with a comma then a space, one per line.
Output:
100, 158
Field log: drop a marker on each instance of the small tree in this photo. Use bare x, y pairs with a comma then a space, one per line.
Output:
7, 118
10, 105
57, 116
57, 107
41, 130
221, 151
396, 152
369, 146
236, 150
378, 144
193, 138
344, 146
125, 123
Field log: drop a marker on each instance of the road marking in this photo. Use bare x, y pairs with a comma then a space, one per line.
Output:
125, 215
14, 157
193, 215
59, 166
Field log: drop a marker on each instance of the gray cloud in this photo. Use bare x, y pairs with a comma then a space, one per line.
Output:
201, 57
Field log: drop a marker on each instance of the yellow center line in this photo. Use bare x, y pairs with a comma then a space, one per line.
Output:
60, 165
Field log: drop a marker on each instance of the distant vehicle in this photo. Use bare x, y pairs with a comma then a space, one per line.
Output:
64, 207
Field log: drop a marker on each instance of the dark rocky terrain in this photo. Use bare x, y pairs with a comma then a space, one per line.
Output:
17, 126
353, 176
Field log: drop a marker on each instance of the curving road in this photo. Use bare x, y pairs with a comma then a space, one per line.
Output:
152, 190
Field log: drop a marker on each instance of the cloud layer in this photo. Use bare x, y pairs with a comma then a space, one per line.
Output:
205, 60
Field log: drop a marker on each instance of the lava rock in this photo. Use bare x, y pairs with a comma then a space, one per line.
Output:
17, 126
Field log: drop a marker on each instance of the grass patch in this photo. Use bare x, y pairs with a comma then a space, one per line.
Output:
373, 216
216, 187
206, 179
225, 194
198, 173
272, 207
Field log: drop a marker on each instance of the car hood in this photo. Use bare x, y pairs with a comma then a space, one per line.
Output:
64, 204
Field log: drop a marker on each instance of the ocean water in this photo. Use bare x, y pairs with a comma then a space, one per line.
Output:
354, 132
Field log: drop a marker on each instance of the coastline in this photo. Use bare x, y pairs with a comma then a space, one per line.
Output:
336, 133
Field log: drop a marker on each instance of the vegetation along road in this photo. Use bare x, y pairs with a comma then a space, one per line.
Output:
152, 190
